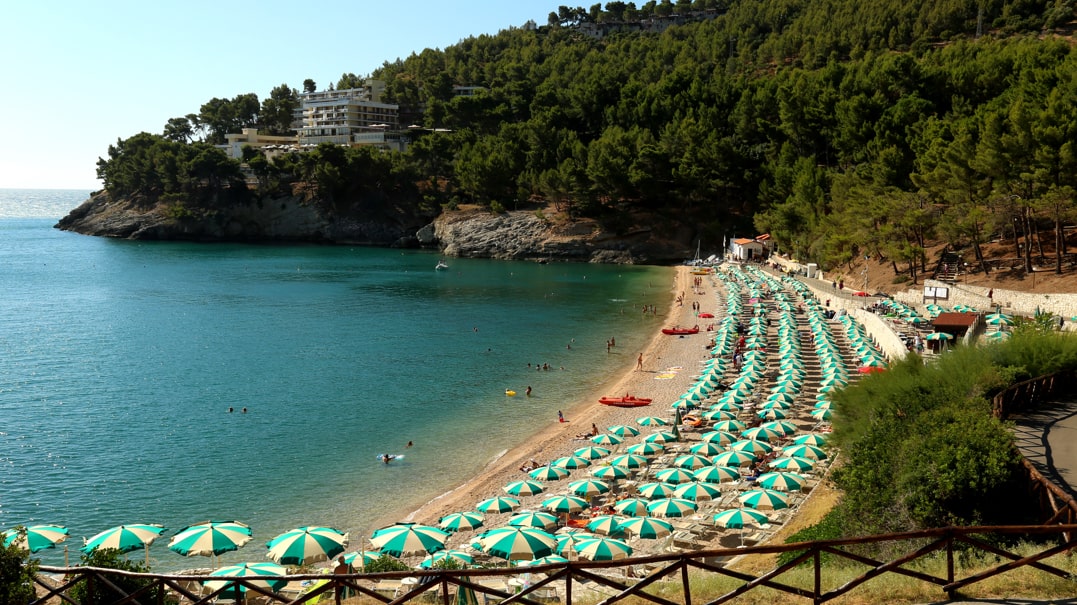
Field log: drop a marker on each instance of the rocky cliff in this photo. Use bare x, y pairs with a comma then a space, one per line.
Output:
518, 235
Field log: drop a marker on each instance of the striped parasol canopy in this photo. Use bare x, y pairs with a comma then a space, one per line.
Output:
35, 537
603, 549
526, 487
124, 538
513, 543
647, 527
210, 538
498, 504
305, 545
463, 521
405, 539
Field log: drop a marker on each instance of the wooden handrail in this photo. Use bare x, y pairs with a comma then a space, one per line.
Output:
923, 543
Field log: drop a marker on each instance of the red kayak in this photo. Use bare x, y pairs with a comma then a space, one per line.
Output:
627, 401
680, 331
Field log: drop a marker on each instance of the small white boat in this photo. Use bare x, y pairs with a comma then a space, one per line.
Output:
441, 266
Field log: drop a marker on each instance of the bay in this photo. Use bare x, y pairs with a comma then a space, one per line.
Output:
122, 359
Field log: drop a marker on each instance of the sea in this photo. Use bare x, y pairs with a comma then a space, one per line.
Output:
173, 383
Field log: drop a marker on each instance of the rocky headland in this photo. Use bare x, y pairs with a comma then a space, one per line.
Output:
468, 232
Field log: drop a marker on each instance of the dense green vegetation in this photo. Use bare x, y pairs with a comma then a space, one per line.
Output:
921, 448
842, 128
17, 571
102, 592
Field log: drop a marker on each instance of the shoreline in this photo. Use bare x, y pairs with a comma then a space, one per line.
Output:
558, 439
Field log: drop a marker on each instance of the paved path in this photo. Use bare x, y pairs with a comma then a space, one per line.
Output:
1047, 437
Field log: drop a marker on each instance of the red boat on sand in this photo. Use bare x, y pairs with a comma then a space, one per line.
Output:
680, 331
628, 401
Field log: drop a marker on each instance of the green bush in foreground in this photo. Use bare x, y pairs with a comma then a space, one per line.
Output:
16, 574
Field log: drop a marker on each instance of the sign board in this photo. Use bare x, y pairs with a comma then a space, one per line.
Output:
936, 292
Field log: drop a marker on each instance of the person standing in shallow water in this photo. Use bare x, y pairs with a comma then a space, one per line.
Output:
639, 363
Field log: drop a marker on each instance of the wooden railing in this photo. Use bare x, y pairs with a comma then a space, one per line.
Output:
443, 585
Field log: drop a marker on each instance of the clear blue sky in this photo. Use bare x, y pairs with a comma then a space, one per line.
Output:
78, 75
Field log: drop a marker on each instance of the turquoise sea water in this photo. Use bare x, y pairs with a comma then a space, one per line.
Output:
119, 361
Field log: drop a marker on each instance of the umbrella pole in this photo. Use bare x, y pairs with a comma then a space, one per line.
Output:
66, 564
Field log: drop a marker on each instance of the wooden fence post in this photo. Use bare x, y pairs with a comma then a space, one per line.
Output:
684, 583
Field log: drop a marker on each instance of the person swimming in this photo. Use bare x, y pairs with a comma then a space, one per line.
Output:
387, 458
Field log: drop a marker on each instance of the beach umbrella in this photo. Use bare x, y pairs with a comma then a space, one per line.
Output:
566, 541
461, 521
646, 449
591, 452
623, 431
125, 538
706, 448
998, 336
822, 414
731, 426
792, 463
804, 451
603, 549
651, 421
608, 525
673, 475
630, 461
635, 507
585, 488
656, 490
498, 504
752, 445
737, 518
761, 433
660, 437
458, 556
210, 538
610, 472
734, 458
671, 507
783, 482
781, 427
647, 527
513, 543
533, 519
691, 461
307, 545
405, 539
764, 499
549, 473
564, 504
572, 462
772, 414
811, 439
697, 491
36, 537
607, 439
938, 336
717, 415
549, 560
266, 574
527, 487
364, 558
716, 474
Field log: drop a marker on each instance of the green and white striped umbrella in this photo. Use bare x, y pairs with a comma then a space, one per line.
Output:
603, 549
792, 463
660, 437
671, 507
513, 543
359, 559
734, 458
698, 491
549, 473
607, 439
647, 527
804, 451
527, 487
719, 415
623, 431
564, 504
498, 504
124, 538
761, 433
754, 446
764, 499
654, 491
646, 449
572, 462
533, 519
737, 518
210, 538
585, 488
781, 427
630, 461
673, 475
633, 507
608, 525
730, 426
716, 474
997, 336
550, 560
461, 521
405, 539
706, 448
719, 437
591, 452
307, 545
691, 461
36, 537
566, 541
772, 414
459, 556
651, 421
822, 414
610, 472
266, 574
783, 482
938, 336
811, 439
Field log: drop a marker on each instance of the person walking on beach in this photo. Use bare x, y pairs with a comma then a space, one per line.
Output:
639, 363
560, 416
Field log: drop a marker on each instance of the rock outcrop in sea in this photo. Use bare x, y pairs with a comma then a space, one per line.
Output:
474, 233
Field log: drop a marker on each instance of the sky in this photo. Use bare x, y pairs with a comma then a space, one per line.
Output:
79, 75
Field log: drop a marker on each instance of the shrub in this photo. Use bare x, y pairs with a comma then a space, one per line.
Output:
16, 574
101, 593
385, 563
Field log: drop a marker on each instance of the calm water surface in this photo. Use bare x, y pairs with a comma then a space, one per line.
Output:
120, 361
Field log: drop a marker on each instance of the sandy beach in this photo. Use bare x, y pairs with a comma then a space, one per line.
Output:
559, 439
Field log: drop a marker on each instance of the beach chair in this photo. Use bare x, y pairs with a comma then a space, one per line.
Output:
389, 588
